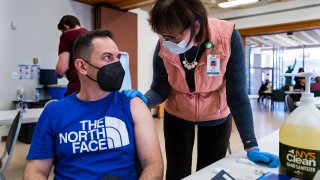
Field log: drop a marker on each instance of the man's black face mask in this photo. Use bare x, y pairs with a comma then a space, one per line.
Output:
110, 76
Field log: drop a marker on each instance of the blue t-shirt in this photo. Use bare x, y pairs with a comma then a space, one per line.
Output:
87, 139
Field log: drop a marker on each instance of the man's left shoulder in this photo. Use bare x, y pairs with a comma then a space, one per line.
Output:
136, 102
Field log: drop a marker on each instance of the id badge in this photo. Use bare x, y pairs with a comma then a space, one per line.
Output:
213, 65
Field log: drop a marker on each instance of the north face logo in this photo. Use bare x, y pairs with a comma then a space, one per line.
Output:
117, 133
101, 134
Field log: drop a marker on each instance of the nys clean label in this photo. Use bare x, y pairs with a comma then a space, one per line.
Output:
298, 162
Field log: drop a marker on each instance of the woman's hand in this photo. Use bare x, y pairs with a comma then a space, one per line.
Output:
255, 155
134, 93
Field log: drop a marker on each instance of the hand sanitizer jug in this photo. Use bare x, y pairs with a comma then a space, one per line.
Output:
299, 149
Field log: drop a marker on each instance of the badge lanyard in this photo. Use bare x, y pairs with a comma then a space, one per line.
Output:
213, 61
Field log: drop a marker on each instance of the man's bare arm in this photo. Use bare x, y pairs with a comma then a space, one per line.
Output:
37, 169
147, 142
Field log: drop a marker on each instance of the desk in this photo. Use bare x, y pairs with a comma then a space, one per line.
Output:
31, 115
293, 92
267, 93
286, 92
252, 96
33, 103
295, 95
240, 170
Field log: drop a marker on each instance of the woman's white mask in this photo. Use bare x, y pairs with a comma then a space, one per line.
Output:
179, 48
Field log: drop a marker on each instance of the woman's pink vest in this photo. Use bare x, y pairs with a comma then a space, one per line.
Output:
208, 102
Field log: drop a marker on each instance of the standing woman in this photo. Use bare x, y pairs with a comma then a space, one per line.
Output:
196, 94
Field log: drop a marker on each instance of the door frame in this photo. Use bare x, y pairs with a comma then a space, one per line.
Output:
280, 28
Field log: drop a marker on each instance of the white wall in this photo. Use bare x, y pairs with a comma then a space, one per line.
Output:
147, 41
36, 36
310, 10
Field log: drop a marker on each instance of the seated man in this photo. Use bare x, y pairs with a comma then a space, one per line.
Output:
264, 87
299, 81
98, 132
315, 86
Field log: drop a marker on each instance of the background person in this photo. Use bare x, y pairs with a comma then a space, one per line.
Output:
316, 85
98, 132
193, 98
299, 81
264, 87
71, 29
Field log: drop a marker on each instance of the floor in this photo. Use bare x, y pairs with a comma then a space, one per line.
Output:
265, 122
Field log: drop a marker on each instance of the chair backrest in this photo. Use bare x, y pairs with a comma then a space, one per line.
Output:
290, 103
12, 139
278, 95
50, 101
316, 93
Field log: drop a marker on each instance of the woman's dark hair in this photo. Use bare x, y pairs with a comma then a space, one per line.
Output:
178, 15
83, 47
68, 20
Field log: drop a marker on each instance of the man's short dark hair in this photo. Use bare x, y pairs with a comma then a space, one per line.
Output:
68, 20
83, 47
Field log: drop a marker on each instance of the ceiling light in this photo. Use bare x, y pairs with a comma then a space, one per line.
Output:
233, 3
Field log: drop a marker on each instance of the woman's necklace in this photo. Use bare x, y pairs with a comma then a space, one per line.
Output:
191, 65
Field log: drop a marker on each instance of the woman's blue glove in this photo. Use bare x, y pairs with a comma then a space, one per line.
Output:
134, 93
256, 156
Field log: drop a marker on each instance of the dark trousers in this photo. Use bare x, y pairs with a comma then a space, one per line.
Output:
262, 96
179, 134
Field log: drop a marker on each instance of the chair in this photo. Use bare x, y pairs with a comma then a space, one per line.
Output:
316, 93
50, 101
278, 95
290, 103
229, 146
229, 149
10, 143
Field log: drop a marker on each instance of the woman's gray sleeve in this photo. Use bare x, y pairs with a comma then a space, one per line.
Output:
237, 96
160, 86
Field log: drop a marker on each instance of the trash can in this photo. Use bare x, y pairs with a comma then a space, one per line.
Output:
57, 92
